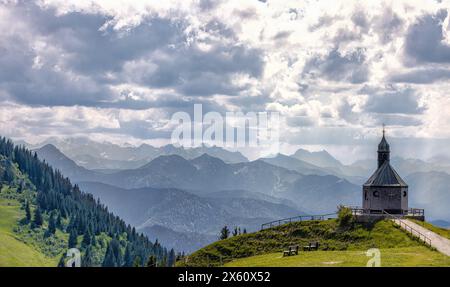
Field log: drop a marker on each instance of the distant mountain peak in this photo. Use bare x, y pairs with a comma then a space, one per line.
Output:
319, 158
49, 147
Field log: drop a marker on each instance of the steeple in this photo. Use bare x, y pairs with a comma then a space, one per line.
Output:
383, 150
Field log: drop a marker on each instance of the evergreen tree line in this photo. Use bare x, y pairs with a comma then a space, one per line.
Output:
225, 232
62, 200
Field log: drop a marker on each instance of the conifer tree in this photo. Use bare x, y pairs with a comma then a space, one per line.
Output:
224, 233
72, 239
37, 217
51, 224
112, 256
87, 238
151, 262
87, 260
171, 259
27, 211
128, 257
235, 231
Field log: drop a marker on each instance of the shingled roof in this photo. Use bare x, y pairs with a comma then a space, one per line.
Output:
386, 176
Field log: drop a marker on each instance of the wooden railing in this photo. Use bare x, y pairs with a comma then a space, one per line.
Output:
356, 210
416, 212
408, 228
295, 219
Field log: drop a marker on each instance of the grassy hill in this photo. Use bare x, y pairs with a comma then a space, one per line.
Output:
13, 251
43, 215
392, 257
340, 245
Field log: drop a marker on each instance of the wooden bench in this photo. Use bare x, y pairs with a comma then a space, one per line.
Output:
311, 246
292, 250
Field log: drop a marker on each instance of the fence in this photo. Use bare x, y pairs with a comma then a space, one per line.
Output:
295, 219
408, 228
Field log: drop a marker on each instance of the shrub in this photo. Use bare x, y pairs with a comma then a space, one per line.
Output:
345, 216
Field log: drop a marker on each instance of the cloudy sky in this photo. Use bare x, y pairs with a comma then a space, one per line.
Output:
335, 70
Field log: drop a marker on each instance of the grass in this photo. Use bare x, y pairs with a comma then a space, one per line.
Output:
392, 257
14, 252
441, 231
332, 237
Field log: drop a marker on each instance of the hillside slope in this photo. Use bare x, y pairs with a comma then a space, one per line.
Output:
49, 215
13, 251
332, 237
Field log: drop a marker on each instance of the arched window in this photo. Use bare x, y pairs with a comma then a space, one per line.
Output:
405, 193
376, 193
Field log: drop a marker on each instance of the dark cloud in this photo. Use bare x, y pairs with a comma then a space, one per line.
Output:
87, 51
194, 72
422, 76
424, 40
336, 67
401, 101
99, 50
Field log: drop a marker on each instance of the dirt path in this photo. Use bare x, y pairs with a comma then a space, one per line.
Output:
440, 243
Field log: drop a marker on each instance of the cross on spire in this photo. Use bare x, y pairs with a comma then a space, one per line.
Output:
384, 126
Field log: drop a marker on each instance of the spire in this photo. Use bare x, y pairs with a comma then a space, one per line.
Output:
383, 150
383, 145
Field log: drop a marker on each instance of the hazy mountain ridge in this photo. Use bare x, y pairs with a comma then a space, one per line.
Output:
207, 174
95, 155
185, 214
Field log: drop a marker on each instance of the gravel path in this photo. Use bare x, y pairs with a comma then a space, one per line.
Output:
440, 243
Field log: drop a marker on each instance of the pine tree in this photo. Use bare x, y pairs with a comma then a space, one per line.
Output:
151, 262
51, 224
87, 260
112, 256
73, 238
128, 257
163, 262
245, 231
235, 231
172, 258
37, 217
59, 221
224, 233
109, 260
87, 238
27, 211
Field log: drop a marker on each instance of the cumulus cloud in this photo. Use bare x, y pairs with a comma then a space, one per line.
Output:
425, 39
325, 66
395, 101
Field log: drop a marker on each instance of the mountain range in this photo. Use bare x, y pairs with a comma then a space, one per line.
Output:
106, 156
184, 200
206, 174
